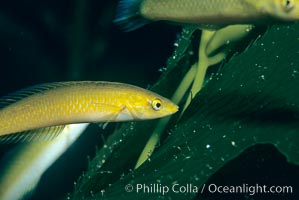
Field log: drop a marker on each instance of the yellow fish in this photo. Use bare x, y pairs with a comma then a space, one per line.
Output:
47, 108
132, 14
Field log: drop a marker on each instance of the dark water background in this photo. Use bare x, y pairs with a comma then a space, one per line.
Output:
47, 41
56, 41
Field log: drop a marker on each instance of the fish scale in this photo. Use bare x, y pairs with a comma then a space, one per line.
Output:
193, 9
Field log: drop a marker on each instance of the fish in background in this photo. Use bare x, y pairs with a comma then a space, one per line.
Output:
22, 168
210, 14
42, 111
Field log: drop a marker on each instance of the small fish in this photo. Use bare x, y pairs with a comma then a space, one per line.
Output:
44, 110
212, 14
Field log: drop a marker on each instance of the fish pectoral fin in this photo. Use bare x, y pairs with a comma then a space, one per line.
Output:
42, 134
112, 117
114, 114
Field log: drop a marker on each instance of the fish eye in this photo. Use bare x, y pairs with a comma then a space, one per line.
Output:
287, 5
156, 104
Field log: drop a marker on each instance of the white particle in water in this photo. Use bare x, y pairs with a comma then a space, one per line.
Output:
131, 126
209, 166
162, 69
295, 73
91, 193
105, 172
191, 53
186, 31
208, 146
233, 143
187, 157
209, 126
196, 177
99, 166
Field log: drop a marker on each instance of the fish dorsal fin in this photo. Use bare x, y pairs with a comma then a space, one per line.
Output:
19, 95
42, 134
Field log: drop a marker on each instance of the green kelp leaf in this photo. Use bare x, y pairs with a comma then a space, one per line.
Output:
253, 99
179, 62
122, 149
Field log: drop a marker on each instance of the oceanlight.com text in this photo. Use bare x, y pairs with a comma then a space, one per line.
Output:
251, 190
248, 189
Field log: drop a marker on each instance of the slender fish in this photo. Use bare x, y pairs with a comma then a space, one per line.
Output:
44, 110
132, 14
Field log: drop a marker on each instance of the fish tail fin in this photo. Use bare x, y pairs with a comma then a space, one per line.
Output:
128, 16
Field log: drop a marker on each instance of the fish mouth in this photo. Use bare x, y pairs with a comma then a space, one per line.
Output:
172, 110
175, 109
